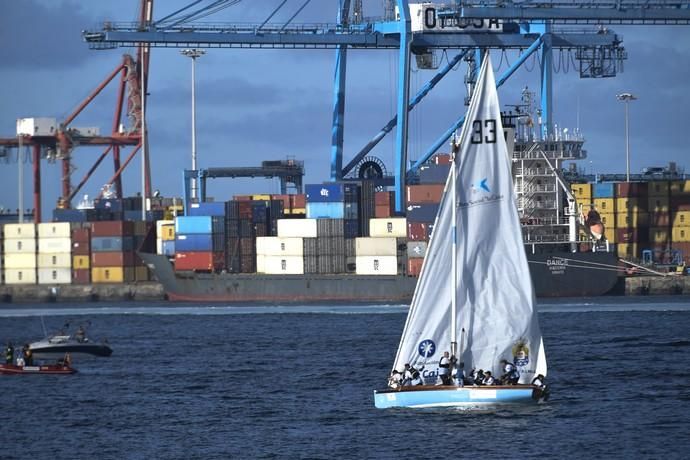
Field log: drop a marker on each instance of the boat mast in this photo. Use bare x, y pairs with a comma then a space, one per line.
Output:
454, 269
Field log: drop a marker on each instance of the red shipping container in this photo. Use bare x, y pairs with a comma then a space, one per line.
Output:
244, 209
112, 228
203, 261
659, 219
442, 159
680, 202
430, 193
242, 198
80, 248
631, 189
81, 235
414, 267
384, 198
299, 201
417, 231
383, 211
680, 207
285, 199
113, 259
81, 276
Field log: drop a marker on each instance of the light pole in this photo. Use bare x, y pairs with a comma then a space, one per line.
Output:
193, 53
626, 97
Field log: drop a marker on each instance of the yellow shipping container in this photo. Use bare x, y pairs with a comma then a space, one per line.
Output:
112, 274
608, 219
167, 232
658, 188
630, 205
680, 234
610, 234
680, 219
628, 250
659, 235
604, 205
261, 197
81, 262
632, 219
583, 192
656, 203
302, 211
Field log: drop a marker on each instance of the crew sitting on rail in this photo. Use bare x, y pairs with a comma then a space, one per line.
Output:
411, 376
395, 379
488, 379
538, 381
476, 377
510, 376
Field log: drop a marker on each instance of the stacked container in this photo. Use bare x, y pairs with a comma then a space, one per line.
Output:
112, 252
54, 253
276, 255
384, 204
165, 237
680, 217
200, 243
81, 255
19, 247
332, 201
367, 208
377, 256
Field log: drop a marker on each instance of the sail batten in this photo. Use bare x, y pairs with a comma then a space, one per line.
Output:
495, 302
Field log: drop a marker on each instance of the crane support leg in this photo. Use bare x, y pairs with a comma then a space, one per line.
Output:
122, 168
405, 28
546, 83
88, 173
37, 183
337, 132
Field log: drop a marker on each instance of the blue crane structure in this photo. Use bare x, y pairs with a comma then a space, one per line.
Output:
465, 25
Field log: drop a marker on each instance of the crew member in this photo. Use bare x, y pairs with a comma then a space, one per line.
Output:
395, 379
9, 353
510, 373
488, 379
27, 355
411, 376
444, 368
538, 381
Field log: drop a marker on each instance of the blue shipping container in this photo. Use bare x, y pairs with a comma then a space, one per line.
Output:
325, 210
111, 204
433, 174
330, 193
207, 209
168, 247
424, 213
193, 242
112, 244
604, 190
199, 224
69, 215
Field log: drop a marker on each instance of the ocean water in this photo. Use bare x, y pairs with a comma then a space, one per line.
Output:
214, 382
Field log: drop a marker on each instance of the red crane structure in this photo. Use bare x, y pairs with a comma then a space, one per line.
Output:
65, 139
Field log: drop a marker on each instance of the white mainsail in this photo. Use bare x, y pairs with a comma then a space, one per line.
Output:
495, 299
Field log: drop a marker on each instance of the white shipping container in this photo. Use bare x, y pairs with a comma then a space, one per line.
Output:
376, 246
54, 230
36, 126
297, 228
159, 246
278, 246
160, 223
19, 246
260, 263
54, 276
20, 276
54, 245
286, 265
20, 231
377, 265
388, 226
416, 249
57, 260
19, 261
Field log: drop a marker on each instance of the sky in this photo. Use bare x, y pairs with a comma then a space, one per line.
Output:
255, 105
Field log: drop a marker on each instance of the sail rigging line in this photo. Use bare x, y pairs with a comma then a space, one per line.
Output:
610, 268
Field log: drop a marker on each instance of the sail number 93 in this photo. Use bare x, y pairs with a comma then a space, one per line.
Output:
483, 132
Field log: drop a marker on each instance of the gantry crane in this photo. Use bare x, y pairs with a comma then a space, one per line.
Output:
526, 27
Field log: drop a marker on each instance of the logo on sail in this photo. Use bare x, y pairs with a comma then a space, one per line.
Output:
481, 185
480, 193
427, 348
521, 353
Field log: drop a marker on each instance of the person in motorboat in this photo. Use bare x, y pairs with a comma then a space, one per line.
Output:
65, 361
27, 355
510, 376
411, 376
9, 353
488, 379
80, 335
444, 368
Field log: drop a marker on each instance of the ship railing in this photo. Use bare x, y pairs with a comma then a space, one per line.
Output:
540, 221
536, 188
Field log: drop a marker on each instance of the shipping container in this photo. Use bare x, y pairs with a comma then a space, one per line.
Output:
658, 188
628, 251
442, 159
330, 246
582, 192
383, 211
330, 193
679, 187
680, 219
112, 228
166, 232
659, 235
54, 230
632, 235
384, 199
684, 249
81, 262
202, 261
414, 267
680, 234
603, 190
55, 260
70, 215
199, 224
298, 201
207, 209
299, 228
659, 219
658, 204
54, 276
165, 247
377, 265
81, 235
433, 174
330, 227
416, 249
430, 193
113, 259
196, 242
20, 276
285, 265
112, 243
81, 276
278, 246
632, 219
331, 263
631, 189
382, 246
54, 245
631, 204
418, 231
19, 231
112, 275
609, 220
604, 205
81, 248
325, 210
19, 260
394, 227
19, 246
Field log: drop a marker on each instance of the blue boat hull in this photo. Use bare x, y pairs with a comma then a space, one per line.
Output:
450, 396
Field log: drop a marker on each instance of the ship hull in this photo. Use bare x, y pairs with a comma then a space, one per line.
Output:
570, 280
435, 396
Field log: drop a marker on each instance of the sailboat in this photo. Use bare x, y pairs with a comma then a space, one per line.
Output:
474, 298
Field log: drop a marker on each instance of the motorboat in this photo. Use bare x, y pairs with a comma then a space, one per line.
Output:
15, 369
60, 344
